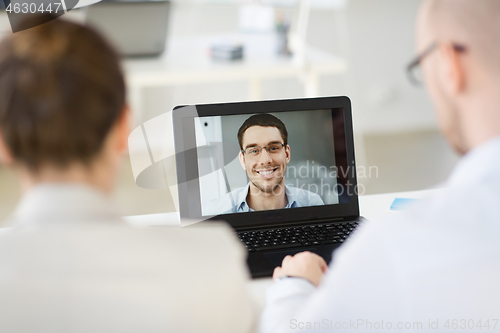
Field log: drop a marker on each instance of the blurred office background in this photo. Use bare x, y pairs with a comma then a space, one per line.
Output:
368, 42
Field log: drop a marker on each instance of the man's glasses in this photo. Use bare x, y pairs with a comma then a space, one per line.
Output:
414, 70
272, 148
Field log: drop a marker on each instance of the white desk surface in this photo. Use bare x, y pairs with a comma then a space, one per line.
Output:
371, 206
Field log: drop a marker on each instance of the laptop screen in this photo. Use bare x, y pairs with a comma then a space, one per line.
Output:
284, 160
279, 161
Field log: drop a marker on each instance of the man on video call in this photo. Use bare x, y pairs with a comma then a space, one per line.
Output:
264, 155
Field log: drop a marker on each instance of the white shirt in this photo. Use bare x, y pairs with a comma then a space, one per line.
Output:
437, 262
70, 264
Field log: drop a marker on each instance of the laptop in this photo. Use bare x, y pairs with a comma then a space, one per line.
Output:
136, 27
282, 173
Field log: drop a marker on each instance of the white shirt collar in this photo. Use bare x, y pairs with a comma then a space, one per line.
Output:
478, 164
51, 203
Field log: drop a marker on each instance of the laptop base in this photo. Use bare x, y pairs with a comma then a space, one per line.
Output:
262, 263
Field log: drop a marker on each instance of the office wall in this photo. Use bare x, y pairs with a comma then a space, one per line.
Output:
382, 37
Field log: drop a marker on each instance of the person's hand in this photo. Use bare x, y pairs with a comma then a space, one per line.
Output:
305, 265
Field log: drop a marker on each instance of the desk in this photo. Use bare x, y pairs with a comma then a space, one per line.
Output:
186, 61
371, 206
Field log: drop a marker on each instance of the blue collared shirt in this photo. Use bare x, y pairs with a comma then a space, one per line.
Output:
236, 201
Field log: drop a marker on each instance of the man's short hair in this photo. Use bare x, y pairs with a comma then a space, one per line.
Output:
61, 91
265, 120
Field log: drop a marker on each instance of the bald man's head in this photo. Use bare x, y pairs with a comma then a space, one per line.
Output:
474, 24
463, 82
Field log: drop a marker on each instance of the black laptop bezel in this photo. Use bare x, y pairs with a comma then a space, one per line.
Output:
262, 219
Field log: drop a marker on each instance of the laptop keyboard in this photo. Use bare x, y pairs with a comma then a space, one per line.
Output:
285, 238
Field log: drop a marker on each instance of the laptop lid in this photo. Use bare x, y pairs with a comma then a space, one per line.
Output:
266, 175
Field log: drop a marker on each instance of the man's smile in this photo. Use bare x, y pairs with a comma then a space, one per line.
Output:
267, 173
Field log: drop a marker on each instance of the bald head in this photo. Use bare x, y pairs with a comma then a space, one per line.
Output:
474, 24
463, 82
